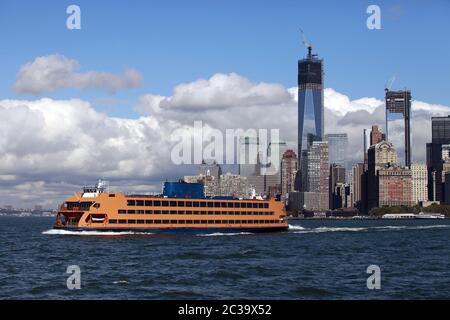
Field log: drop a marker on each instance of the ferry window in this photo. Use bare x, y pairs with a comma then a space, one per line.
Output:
243, 213
173, 212
112, 195
255, 205
181, 203
217, 221
203, 204
196, 221
131, 221
157, 211
210, 212
131, 202
231, 221
174, 221
140, 203
157, 221
140, 221
230, 204
210, 221
260, 205
216, 204
131, 211
121, 211
217, 212
249, 205
165, 212
243, 205
148, 203
230, 212
204, 221
181, 221
149, 221
157, 203
173, 203
196, 212
181, 212
266, 205
196, 204
210, 204
148, 211
203, 212
85, 205
237, 204
188, 221
112, 221
222, 212
140, 211
250, 221
188, 203
223, 204
165, 203
122, 221
244, 221
189, 212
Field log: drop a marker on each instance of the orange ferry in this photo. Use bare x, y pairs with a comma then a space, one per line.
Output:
176, 210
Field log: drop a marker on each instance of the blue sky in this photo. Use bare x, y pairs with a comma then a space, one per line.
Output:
171, 42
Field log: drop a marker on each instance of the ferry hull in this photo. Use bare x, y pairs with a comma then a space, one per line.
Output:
182, 230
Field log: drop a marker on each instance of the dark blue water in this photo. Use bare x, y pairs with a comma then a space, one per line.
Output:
319, 260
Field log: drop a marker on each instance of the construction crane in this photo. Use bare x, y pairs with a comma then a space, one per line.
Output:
307, 43
388, 86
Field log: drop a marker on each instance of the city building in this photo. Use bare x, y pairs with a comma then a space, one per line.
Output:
376, 136
336, 182
380, 156
289, 168
399, 102
210, 168
419, 182
395, 187
440, 136
337, 148
234, 185
315, 176
248, 156
310, 99
275, 152
358, 191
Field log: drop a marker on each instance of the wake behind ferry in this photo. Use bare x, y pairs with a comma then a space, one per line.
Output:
182, 207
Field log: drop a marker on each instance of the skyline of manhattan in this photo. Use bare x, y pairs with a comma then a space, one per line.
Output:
43, 155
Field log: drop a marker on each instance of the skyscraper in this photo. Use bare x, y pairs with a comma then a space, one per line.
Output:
376, 136
419, 182
400, 102
248, 156
337, 176
440, 135
310, 99
380, 156
316, 175
337, 148
289, 167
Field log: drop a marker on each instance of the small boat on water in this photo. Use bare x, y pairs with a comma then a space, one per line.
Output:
421, 215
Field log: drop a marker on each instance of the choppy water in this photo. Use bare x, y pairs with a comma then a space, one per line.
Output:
313, 260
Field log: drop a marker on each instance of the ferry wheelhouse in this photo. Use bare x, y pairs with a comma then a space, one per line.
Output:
181, 208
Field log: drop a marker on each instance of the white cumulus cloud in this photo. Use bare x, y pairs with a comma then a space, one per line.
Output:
53, 72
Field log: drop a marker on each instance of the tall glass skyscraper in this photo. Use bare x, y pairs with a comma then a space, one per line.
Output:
310, 99
337, 148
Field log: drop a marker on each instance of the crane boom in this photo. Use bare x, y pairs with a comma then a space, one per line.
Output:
307, 43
